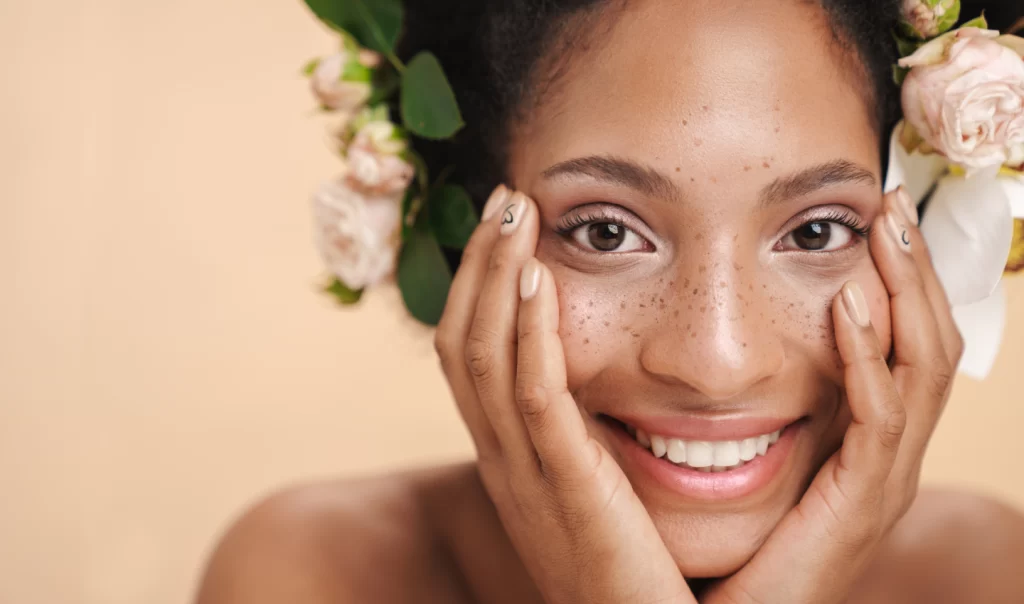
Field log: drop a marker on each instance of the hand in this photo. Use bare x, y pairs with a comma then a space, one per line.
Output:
570, 512
822, 546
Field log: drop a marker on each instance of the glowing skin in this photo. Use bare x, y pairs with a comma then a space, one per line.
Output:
711, 311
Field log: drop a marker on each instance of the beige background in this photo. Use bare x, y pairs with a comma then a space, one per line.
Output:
164, 357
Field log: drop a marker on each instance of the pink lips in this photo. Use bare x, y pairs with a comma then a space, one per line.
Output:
717, 486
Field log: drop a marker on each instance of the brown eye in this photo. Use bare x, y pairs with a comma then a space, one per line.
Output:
606, 236
818, 236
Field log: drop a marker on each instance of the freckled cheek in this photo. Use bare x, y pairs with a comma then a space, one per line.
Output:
596, 326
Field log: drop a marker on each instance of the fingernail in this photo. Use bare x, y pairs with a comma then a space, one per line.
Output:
907, 204
899, 232
513, 213
494, 202
856, 305
529, 280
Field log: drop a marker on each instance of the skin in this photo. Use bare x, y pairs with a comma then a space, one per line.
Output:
714, 314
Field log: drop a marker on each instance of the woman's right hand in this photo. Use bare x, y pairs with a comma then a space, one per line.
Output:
569, 510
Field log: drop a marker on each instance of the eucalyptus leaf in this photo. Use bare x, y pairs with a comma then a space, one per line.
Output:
424, 276
310, 67
899, 74
949, 18
906, 47
452, 216
429, 108
374, 23
342, 292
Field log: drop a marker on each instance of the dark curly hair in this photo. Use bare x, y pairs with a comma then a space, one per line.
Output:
497, 53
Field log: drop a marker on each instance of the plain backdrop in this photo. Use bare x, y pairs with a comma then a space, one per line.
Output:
164, 354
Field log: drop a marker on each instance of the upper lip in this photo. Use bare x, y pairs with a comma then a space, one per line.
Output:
707, 428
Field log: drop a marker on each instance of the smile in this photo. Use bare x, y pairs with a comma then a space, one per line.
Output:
706, 456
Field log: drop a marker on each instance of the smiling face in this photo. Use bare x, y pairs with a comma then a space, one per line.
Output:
702, 173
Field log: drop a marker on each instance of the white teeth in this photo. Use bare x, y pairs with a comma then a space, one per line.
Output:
643, 438
676, 450
658, 445
726, 453
748, 449
706, 456
699, 454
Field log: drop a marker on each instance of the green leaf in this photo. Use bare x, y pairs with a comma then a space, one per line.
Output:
374, 23
408, 215
429, 108
344, 295
424, 276
899, 74
979, 22
949, 18
356, 72
452, 216
905, 46
310, 67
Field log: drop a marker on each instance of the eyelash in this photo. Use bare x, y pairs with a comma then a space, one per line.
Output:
844, 218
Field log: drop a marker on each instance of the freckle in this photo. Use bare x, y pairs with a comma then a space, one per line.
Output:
766, 165
746, 168
692, 179
740, 296
685, 122
622, 306
706, 108
636, 335
736, 236
662, 300
744, 344
722, 284
686, 282
703, 309
771, 298
777, 128
773, 321
714, 179
660, 281
606, 323
750, 287
737, 266
699, 236
697, 142
590, 304
703, 268
625, 328
678, 169
574, 307
776, 107
676, 313
642, 305
586, 341
764, 286
693, 334
688, 307
807, 316
588, 317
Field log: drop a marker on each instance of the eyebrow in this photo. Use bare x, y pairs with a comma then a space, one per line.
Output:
653, 183
618, 171
835, 172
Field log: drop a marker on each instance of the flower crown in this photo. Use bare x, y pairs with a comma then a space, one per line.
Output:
959, 149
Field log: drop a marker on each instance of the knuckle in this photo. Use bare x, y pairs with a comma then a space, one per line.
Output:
499, 262
891, 423
480, 355
941, 378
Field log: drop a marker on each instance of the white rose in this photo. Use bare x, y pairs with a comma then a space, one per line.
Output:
357, 234
341, 82
373, 159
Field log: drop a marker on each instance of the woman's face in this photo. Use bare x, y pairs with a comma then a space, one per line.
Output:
702, 174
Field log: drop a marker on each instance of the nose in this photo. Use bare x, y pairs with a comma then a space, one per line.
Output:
716, 341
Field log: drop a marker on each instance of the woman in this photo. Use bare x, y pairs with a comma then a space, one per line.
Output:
668, 336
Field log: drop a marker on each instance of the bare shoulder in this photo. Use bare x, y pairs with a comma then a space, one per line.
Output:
952, 546
355, 540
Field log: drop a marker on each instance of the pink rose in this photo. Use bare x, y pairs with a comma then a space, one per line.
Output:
964, 96
373, 160
926, 18
341, 82
357, 234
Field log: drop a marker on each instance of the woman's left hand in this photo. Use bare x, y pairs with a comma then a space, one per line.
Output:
824, 544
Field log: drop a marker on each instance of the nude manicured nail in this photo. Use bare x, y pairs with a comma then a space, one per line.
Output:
856, 305
513, 213
494, 202
529, 280
907, 205
899, 232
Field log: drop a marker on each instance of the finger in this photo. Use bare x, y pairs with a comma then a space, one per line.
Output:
917, 346
952, 342
453, 328
491, 344
549, 411
879, 418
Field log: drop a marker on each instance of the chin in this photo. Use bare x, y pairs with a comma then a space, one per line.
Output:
714, 547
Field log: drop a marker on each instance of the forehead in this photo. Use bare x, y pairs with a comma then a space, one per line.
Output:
707, 88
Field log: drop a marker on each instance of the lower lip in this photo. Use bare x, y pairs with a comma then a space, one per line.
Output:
709, 486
